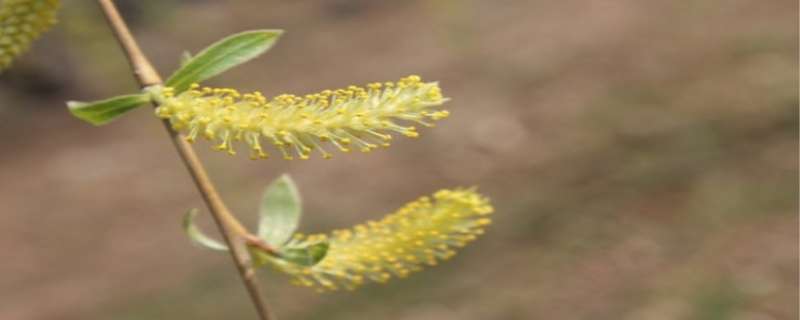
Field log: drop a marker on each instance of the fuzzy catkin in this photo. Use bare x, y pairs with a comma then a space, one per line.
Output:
421, 233
360, 117
21, 22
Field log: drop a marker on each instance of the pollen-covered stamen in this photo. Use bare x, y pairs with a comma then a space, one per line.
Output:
363, 118
255, 146
423, 232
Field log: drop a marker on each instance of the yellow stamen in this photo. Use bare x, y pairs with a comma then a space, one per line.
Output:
422, 232
362, 117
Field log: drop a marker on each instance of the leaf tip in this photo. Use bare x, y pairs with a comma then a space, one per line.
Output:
74, 104
197, 236
188, 217
277, 32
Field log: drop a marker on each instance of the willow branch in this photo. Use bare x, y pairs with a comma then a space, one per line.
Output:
232, 231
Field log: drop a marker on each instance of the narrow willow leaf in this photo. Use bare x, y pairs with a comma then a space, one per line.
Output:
223, 55
305, 256
197, 236
280, 211
186, 56
104, 111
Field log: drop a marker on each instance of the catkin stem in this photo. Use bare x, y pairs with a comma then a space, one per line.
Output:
232, 231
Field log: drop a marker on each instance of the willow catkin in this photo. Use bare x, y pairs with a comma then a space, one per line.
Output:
21, 22
421, 233
358, 117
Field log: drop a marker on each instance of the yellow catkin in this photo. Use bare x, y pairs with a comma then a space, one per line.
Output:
423, 232
354, 117
21, 22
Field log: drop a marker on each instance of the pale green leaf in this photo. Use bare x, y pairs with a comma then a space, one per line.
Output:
279, 213
186, 56
305, 256
221, 56
197, 236
104, 111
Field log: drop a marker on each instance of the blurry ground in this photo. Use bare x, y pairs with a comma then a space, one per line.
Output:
642, 157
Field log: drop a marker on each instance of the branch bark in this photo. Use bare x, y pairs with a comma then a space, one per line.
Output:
232, 231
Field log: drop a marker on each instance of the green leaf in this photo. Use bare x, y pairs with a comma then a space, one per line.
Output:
305, 256
197, 236
186, 56
221, 56
279, 212
104, 111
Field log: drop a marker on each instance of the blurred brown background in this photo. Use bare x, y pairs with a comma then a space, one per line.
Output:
641, 155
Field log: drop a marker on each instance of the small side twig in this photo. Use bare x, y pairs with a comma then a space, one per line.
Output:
235, 235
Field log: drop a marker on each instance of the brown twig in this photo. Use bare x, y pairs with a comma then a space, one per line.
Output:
254, 241
232, 231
